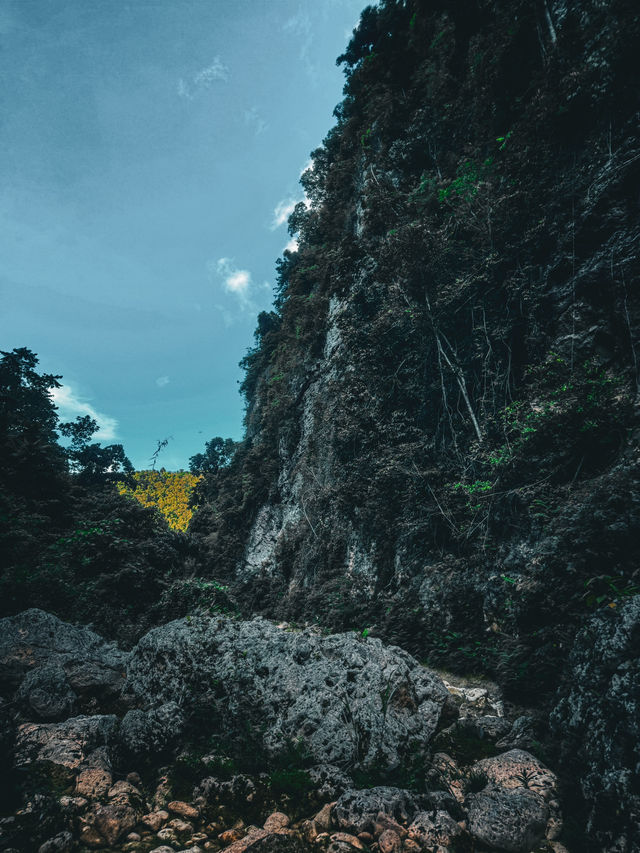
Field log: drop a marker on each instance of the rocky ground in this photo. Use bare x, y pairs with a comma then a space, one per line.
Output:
216, 733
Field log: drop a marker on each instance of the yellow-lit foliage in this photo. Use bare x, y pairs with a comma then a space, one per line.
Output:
169, 491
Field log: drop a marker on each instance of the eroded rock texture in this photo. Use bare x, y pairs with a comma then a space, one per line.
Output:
598, 721
342, 699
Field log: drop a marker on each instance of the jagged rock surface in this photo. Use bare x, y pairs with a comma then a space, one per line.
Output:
343, 699
51, 667
598, 723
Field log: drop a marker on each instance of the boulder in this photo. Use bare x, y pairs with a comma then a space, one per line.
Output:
45, 693
94, 779
512, 820
63, 661
118, 816
61, 843
357, 811
433, 828
328, 782
65, 745
519, 769
342, 700
145, 734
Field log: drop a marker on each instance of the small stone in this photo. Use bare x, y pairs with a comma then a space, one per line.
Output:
167, 834
322, 820
389, 841
307, 830
133, 836
134, 779
366, 837
229, 836
384, 823
347, 838
163, 849
181, 826
61, 843
162, 793
122, 789
275, 821
411, 846
90, 836
93, 783
183, 809
73, 803
154, 820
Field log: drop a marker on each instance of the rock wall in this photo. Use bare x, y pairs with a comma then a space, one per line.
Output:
442, 425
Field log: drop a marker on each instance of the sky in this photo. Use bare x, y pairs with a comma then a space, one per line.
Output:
150, 151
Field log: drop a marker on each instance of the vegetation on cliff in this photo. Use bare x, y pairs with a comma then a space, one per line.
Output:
440, 407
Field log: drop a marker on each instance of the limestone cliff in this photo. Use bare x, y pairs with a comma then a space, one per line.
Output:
442, 423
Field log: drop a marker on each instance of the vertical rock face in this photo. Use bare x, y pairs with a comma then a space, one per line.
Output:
443, 408
598, 720
442, 411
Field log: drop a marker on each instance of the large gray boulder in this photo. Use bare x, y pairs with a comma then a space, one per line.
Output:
597, 720
357, 810
50, 666
513, 820
339, 699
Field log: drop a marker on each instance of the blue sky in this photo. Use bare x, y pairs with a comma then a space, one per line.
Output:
150, 151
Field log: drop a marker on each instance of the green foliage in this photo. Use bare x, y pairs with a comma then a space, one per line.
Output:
602, 589
69, 543
474, 488
293, 782
503, 140
218, 454
437, 39
467, 183
169, 492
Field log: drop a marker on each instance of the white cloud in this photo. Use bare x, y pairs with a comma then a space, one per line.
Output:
234, 280
282, 211
161, 381
292, 245
252, 118
238, 282
203, 79
216, 71
70, 406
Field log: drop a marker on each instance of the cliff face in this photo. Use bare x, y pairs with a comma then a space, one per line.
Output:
442, 433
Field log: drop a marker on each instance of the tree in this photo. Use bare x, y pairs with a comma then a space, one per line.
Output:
33, 462
93, 463
218, 454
